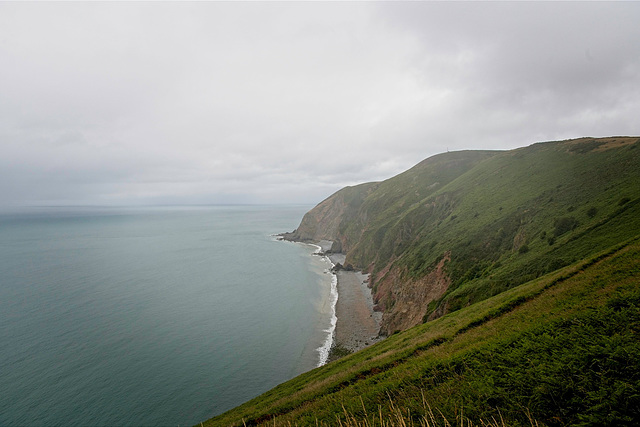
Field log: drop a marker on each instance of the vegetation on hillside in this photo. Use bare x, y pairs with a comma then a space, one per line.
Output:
499, 219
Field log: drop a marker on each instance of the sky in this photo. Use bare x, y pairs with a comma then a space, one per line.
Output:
137, 103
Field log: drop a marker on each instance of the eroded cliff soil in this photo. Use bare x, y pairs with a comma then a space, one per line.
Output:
403, 300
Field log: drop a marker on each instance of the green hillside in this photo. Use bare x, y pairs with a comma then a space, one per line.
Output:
460, 227
559, 350
510, 289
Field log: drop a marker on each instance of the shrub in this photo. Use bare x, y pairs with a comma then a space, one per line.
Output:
564, 224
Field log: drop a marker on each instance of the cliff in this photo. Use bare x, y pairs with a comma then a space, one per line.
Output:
324, 222
460, 227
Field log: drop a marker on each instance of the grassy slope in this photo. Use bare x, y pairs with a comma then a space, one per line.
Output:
572, 182
562, 349
381, 229
559, 202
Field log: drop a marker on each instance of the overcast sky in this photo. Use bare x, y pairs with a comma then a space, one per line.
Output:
154, 103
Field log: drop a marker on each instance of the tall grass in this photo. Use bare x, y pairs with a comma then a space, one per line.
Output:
403, 417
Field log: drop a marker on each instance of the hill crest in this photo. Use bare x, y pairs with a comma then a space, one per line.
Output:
461, 226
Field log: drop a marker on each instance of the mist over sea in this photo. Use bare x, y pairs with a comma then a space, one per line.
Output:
153, 316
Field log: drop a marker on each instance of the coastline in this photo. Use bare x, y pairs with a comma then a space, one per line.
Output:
354, 323
325, 350
358, 324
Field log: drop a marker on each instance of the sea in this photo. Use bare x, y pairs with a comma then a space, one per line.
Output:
154, 315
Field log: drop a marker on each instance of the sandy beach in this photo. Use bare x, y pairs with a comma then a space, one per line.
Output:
358, 324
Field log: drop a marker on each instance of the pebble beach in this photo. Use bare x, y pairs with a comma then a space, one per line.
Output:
358, 324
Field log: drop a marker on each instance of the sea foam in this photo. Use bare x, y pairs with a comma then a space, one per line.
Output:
325, 349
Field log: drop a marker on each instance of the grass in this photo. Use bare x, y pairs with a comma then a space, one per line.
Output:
400, 418
562, 349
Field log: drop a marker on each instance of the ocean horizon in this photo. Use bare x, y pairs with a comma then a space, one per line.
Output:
154, 315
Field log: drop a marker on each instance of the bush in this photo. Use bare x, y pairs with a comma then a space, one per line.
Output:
564, 225
592, 211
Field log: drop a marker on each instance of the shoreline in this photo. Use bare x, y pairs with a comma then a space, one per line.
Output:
358, 325
325, 349
355, 325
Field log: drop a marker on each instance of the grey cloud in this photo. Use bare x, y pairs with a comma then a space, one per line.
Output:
505, 60
284, 102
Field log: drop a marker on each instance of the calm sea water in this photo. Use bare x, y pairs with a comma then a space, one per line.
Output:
152, 316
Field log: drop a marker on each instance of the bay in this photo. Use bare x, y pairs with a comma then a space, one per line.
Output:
153, 316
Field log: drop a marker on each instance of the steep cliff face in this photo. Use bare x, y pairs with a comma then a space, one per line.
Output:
460, 227
328, 218
404, 300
